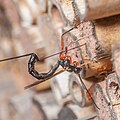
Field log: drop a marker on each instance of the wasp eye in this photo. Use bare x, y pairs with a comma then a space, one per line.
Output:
67, 63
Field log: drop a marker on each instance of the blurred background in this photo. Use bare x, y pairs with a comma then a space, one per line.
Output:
31, 26
36, 26
27, 26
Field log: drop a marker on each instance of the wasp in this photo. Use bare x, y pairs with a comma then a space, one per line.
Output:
65, 61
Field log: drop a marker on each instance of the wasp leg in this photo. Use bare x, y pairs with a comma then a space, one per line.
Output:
31, 69
77, 70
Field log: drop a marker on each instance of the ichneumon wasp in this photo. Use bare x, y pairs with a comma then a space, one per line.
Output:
65, 61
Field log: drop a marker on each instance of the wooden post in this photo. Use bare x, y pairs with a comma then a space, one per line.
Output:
113, 92
67, 10
96, 9
86, 113
116, 59
78, 92
104, 111
60, 89
107, 32
82, 10
89, 50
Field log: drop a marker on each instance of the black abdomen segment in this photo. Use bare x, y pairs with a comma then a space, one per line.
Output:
31, 69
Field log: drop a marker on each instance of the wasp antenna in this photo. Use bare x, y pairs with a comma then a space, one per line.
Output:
87, 91
25, 55
69, 30
60, 52
15, 57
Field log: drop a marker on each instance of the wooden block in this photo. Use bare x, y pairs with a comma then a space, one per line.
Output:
50, 40
76, 11
22, 107
66, 113
45, 101
116, 59
89, 50
107, 32
113, 92
28, 11
11, 12
91, 10
85, 113
78, 92
68, 11
104, 111
60, 88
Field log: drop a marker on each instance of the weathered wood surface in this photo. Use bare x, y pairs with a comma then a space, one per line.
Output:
107, 32
113, 92
68, 11
83, 113
78, 92
116, 59
104, 29
91, 51
80, 10
91, 10
60, 89
104, 111
100, 36
46, 102
107, 98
